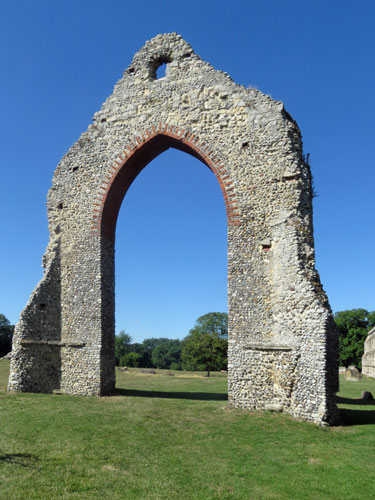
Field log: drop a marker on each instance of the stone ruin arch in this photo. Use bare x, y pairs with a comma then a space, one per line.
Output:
282, 340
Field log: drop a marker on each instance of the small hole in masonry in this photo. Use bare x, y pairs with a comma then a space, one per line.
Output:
161, 71
42, 306
75, 169
60, 206
266, 245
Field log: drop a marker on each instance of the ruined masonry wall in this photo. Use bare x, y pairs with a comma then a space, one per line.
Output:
368, 358
282, 340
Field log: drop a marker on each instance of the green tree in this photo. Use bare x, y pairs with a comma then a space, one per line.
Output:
139, 349
131, 359
149, 345
167, 354
6, 335
122, 345
353, 326
207, 343
214, 323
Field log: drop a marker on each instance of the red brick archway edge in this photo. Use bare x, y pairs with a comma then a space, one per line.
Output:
137, 155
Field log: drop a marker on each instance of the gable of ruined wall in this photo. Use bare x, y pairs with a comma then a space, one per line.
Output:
245, 130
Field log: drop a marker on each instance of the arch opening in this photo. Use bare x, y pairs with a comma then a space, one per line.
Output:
170, 257
127, 172
136, 162
159, 66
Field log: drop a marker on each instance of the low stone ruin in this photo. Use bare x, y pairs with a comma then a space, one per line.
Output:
353, 374
368, 358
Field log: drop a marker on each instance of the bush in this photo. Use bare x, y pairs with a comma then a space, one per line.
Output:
175, 366
6, 335
131, 359
167, 353
353, 326
122, 346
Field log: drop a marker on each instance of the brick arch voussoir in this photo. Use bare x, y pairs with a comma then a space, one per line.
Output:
188, 140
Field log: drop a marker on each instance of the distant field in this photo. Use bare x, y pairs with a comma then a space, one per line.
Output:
168, 437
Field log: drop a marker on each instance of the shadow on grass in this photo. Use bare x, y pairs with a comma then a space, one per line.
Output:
200, 396
357, 416
360, 402
23, 459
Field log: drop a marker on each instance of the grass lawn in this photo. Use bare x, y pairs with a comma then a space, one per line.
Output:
168, 437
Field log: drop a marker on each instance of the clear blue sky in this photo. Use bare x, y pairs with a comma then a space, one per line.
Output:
60, 60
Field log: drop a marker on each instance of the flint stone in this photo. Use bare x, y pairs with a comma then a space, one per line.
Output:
273, 407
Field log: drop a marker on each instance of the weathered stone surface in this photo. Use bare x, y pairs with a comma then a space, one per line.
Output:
353, 368
282, 338
273, 407
352, 373
368, 358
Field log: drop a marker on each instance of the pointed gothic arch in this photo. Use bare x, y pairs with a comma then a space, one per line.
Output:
136, 156
282, 339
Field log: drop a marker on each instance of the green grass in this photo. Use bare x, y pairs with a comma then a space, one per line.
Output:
172, 437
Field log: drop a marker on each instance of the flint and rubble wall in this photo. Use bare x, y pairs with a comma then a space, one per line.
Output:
368, 358
282, 340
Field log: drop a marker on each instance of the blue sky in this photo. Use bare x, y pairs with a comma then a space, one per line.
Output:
59, 62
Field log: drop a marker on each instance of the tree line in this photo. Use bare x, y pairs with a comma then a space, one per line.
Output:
205, 346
